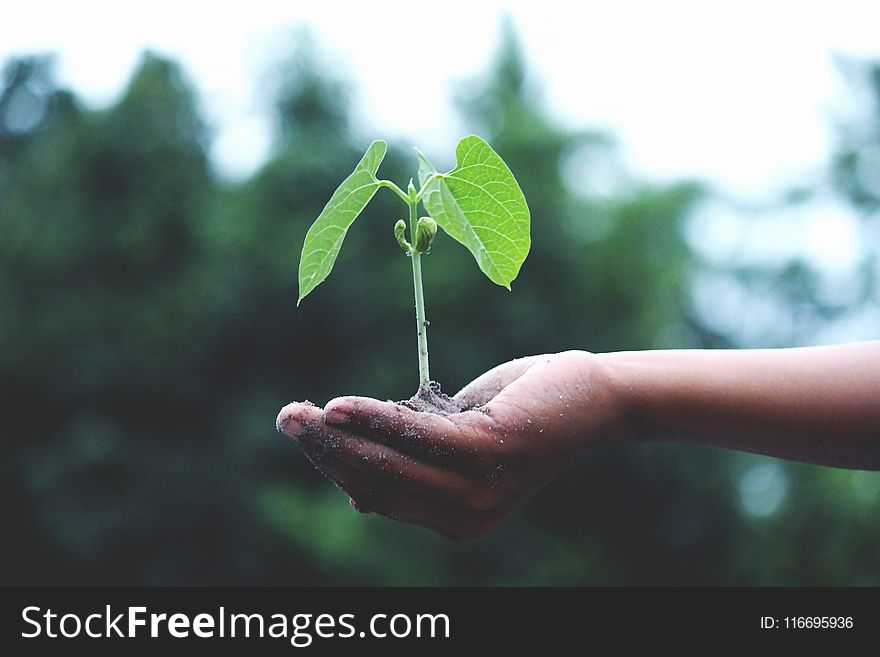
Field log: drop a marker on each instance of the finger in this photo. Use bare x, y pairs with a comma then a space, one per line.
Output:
486, 386
433, 437
304, 422
382, 463
321, 445
447, 519
294, 419
386, 464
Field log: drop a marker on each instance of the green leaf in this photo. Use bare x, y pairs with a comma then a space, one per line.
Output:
324, 238
479, 203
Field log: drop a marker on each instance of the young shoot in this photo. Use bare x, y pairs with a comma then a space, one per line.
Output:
478, 203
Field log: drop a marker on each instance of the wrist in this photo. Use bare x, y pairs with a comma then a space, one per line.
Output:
604, 391
624, 373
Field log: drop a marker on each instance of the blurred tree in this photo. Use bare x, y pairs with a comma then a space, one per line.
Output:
100, 358
796, 299
856, 175
856, 166
30, 103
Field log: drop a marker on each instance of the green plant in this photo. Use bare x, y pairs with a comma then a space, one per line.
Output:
478, 203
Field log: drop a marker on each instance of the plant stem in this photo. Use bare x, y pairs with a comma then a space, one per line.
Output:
394, 188
421, 324
431, 178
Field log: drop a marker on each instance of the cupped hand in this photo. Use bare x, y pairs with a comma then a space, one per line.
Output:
462, 474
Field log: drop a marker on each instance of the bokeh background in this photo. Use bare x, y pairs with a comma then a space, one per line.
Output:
148, 251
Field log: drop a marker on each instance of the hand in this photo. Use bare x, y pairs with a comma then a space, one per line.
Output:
463, 474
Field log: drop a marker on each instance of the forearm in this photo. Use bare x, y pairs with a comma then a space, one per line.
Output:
818, 404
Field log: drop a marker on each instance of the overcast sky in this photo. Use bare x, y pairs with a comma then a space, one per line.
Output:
742, 95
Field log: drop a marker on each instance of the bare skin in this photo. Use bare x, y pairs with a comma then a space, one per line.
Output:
462, 475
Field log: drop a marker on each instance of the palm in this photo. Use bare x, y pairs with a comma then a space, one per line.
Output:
534, 405
462, 474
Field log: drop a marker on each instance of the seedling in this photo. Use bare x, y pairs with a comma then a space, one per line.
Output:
478, 204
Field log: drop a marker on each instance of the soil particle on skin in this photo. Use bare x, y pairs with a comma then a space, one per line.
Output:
434, 400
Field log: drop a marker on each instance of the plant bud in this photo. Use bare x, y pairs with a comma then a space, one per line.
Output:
400, 234
426, 231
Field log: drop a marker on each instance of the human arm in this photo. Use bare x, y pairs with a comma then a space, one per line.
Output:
531, 418
815, 404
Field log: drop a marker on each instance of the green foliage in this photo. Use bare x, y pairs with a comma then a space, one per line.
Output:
324, 238
480, 205
426, 231
400, 236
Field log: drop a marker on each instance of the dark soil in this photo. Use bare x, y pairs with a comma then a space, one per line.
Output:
434, 400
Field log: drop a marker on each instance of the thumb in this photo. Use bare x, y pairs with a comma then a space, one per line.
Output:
487, 386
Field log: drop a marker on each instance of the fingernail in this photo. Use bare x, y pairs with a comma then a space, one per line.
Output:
335, 416
290, 426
